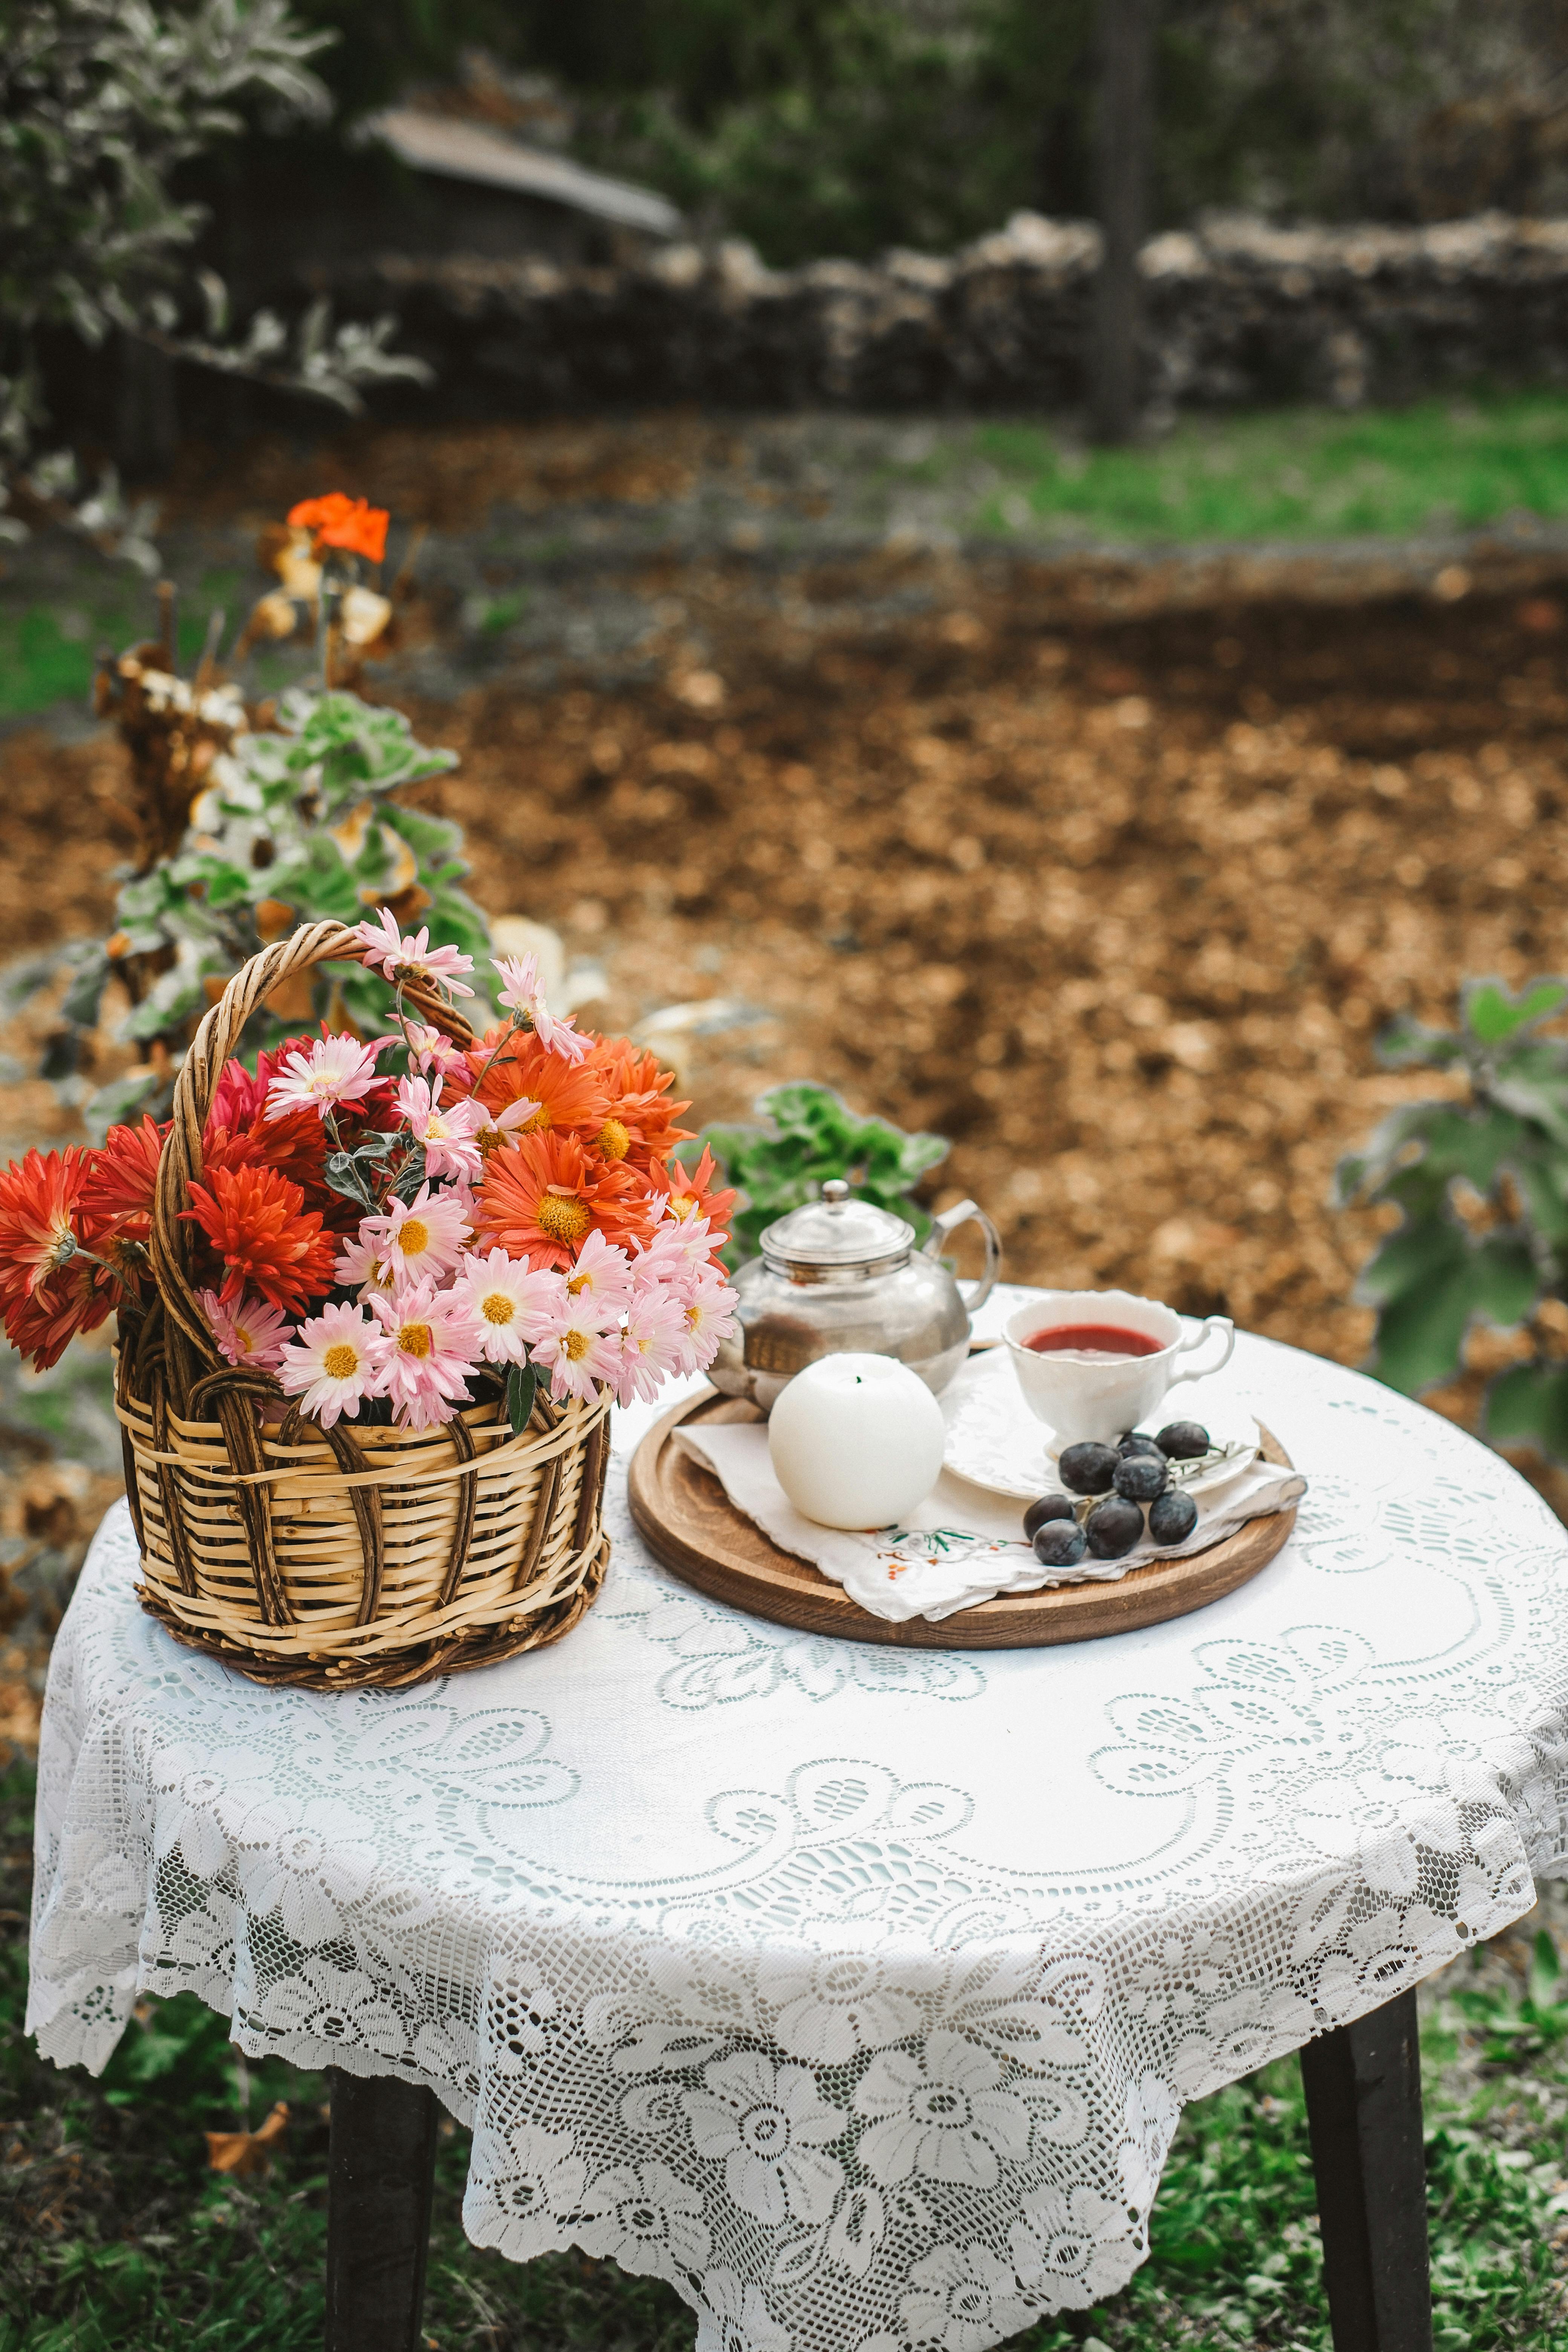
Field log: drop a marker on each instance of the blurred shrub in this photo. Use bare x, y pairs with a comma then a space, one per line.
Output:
845, 126
1481, 1180
807, 1134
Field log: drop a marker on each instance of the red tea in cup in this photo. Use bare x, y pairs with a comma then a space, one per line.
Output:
1093, 1343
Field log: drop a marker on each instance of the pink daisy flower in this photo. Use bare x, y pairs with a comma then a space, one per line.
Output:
364, 1265
651, 1344
523, 993
330, 1367
513, 1304
707, 1302
604, 1274
578, 1352
446, 1130
425, 1236
433, 1051
499, 1124
335, 1070
427, 1345
675, 1244
248, 1330
398, 959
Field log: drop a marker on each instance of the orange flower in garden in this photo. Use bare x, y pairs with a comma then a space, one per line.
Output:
49, 1291
692, 1192
349, 524
268, 1241
640, 1124
542, 1198
572, 1097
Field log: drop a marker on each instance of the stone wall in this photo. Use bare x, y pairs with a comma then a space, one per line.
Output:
1238, 312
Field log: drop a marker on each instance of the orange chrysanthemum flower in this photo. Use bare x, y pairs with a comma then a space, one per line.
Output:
572, 1097
49, 1290
640, 1124
692, 1193
338, 521
268, 1241
543, 1196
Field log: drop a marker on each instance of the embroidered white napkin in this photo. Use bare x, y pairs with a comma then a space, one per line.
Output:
964, 1546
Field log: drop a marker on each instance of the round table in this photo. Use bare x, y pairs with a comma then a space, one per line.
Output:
854, 1991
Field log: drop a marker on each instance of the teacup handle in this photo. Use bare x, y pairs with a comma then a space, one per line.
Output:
975, 1295
1212, 1323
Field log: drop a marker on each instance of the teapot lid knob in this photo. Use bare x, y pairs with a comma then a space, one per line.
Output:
835, 1192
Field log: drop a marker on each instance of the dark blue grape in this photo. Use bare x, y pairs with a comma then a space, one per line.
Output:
1087, 1468
1183, 1440
1059, 1543
1141, 1477
1172, 1518
1113, 1528
1050, 1507
1136, 1442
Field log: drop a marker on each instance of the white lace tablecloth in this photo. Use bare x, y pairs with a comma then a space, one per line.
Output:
854, 1991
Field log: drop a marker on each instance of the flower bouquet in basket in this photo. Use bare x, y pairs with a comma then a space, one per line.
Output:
375, 1305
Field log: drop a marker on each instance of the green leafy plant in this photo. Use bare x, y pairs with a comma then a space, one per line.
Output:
101, 104
807, 1134
296, 825
1481, 1181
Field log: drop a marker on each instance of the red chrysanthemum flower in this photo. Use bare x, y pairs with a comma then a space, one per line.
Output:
543, 1196
240, 1134
268, 1241
48, 1291
692, 1193
639, 1125
117, 1197
293, 1147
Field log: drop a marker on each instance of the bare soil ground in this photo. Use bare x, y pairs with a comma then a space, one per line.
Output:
1118, 908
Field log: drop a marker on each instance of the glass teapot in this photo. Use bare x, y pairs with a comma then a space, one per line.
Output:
840, 1275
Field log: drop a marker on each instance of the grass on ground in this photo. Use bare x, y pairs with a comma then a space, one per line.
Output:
115, 2237
1287, 473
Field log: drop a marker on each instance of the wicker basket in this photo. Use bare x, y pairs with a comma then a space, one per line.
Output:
347, 1556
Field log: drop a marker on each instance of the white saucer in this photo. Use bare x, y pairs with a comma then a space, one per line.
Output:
994, 1440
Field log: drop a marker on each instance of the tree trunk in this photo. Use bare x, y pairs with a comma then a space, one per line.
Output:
1124, 136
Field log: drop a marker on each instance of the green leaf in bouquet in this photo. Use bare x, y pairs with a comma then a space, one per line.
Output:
1432, 1283
1528, 1405
521, 1380
1492, 1014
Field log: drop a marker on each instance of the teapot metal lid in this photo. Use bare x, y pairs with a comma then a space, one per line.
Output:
839, 1232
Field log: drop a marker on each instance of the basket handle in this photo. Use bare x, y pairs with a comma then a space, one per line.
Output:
180, 1163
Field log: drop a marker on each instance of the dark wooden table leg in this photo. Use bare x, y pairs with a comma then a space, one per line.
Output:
379, 2176
1363, 2107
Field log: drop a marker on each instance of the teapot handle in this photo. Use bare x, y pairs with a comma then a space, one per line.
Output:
974, 1295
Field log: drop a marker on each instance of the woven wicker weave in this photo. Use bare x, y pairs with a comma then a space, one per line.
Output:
346, 1556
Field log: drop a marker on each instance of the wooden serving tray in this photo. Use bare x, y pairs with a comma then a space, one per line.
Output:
689, 1523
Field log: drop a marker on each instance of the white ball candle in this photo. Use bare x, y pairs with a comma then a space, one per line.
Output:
856, 1441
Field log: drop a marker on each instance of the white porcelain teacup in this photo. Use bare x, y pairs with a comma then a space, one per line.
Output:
1082, 1398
